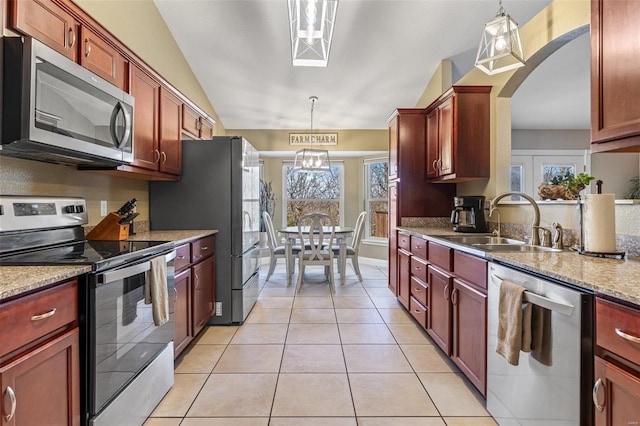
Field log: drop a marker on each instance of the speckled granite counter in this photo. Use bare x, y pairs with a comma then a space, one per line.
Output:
611, 277
16, 280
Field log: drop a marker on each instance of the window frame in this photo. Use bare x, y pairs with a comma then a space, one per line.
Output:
341, 206
366, 174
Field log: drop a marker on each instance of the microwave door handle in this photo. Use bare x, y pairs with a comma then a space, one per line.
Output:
119, 107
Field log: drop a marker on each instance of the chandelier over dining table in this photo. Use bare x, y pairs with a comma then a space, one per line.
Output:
310, 160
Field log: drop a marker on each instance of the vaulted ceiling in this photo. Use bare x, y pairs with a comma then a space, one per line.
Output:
383, 55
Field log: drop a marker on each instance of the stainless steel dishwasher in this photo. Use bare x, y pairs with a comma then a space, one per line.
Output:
533, 393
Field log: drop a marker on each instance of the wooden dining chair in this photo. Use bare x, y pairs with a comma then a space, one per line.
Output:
316, 242
276, 250
352, 249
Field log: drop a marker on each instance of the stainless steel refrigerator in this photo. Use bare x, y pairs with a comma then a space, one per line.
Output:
219, 189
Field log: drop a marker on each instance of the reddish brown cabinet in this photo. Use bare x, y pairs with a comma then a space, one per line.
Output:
457, 142
404, 276
169, 135
439, 324
48, 22
39, 357
98, 56
195, 290
616, 391
146, 92
615, 85
194, 124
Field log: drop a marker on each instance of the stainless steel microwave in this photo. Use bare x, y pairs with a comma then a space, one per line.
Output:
55, 110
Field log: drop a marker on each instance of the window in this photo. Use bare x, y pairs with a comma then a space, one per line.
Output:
376, 197
311, 192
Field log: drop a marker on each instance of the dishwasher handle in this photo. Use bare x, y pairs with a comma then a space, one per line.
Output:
545, 302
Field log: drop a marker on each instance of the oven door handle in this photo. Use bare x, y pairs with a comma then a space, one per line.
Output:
118, 274
170, 256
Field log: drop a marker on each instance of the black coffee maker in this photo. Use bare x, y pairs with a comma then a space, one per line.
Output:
468, 215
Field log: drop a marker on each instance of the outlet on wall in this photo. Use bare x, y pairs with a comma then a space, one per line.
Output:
103, 208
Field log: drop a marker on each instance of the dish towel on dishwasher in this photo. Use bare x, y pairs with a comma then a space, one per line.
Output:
514, 322
155, 291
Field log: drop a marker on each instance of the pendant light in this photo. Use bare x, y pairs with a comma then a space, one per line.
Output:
311, 24
500, 48
309, 160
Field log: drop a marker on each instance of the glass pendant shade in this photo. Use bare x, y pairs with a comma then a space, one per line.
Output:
311, 160
500, 48
311, 25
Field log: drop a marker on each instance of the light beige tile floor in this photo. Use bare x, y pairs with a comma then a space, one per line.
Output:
351, 358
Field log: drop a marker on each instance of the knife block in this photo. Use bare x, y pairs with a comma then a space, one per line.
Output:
109, 228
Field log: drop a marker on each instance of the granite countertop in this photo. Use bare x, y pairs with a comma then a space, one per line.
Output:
16, 280
619, 278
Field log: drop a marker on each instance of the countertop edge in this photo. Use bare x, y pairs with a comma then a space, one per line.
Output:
614, 278
21, 280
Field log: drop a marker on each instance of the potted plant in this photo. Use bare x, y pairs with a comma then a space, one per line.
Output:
267, 204
634, 190
564, 187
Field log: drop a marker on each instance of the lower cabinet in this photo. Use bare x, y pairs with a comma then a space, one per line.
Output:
439, 327
203, 293
404, 277
469, 349
43, 386
616, 395
182, 308
195, 290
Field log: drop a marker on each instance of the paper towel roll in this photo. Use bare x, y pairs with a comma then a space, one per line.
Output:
599, 224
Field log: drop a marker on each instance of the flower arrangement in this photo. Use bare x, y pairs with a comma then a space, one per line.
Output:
565, 187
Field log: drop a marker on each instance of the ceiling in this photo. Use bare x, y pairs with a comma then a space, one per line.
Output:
383, 55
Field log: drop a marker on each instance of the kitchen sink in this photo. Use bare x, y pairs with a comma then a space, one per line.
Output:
480, 239
523, 248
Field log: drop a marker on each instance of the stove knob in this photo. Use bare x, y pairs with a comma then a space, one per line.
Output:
69, 209
79, 208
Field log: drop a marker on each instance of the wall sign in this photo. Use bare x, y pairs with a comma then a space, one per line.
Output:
315, 139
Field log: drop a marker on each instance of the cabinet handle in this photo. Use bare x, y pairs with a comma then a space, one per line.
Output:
417, 268
446, 292
628, 337
44, 316
417, 290
175, 295
454, 296
205, 248
195, 281
395, 167
155, 151
72, 37
198, 125
434, 165
440, 164
87, 48
12, 398
594, 394
164, 157
182, 257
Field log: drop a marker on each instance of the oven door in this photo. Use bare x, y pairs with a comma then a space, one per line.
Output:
121, 337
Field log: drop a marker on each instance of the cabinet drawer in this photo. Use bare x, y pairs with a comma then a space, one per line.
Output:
190, 121
440, 256
404, 241
201, 248
419, 290
183, 256
419, 268
419, 247
471, 268
418, 311
29, 318
613, 320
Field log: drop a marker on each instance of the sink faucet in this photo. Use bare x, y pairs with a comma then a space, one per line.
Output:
535, 225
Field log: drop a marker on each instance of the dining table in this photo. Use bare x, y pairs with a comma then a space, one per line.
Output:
341, 234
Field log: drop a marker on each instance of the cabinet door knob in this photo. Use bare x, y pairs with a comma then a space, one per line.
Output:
446, 292
627, 336
87, 44
594, 394
435, 165
454, 296
164, 157
195, 281
12, 398
155, 151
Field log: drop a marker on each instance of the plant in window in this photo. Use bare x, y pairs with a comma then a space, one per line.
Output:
267, 201
634, 191
565, 186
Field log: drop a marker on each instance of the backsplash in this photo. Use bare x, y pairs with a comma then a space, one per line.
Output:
25, 177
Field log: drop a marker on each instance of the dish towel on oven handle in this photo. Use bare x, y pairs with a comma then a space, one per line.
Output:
155, 291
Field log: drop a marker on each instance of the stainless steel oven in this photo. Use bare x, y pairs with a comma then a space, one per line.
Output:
55, 110
126, 353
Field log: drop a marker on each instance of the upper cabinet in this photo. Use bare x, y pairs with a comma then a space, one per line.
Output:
98, 56
195, 125
48, 22
457, 146
615, 81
